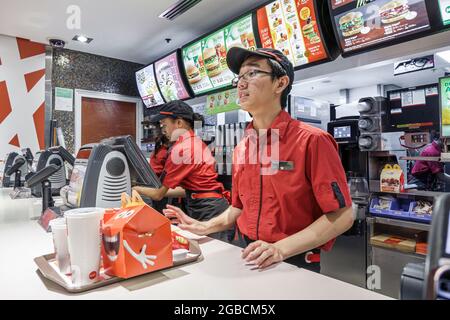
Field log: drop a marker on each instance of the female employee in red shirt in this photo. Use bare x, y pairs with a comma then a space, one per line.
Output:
190, 165
296, 201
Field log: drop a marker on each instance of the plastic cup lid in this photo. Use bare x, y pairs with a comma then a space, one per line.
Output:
83, 212
59, 223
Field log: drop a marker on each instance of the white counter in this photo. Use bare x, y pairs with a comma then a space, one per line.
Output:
220, 275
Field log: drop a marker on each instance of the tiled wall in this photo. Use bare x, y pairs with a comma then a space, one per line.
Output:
78, 70
22, 95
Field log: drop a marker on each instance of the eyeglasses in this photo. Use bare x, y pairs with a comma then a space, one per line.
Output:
248, 76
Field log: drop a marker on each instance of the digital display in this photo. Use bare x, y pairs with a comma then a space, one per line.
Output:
444, 6
444, 84
205, 61
342, 132
169, 78
148, 89
291, 26
370, 23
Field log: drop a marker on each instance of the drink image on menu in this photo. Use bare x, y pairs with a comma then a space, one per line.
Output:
212, 63
166, 82
351, 23
193, 73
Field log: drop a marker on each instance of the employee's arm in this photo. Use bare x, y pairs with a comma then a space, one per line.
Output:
222, 222
324, 229
176, 193
152, 193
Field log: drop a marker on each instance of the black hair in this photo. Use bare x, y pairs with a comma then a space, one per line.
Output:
160, 139
197, 117
278, 72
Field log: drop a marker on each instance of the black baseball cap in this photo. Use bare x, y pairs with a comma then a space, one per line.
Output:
237, 55
174, 109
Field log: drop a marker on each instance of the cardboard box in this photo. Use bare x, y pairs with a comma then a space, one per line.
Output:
392, 179
394, 242
136, 240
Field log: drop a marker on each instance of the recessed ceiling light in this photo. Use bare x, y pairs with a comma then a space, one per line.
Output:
82, 39
445, 55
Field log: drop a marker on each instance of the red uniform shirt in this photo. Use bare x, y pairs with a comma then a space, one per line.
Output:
307, 182
191, 165
158, 159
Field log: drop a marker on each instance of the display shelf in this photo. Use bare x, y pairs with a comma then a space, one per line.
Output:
400, 223
436, 159
412, 254
374, 187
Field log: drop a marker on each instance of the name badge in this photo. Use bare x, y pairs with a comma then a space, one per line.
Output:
283, 165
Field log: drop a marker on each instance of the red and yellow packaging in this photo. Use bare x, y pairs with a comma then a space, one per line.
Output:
137, 239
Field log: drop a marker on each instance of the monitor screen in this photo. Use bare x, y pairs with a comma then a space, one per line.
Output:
413, 109
77, 177
293, 28
444, 87
205, 61
342, 132
444, 7
148, 89
365, 24
169, 78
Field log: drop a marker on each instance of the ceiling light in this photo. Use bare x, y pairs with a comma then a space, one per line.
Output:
445, 55
82, 39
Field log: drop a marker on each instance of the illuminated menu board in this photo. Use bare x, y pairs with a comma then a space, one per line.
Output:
444, 7
169, 78
205, 61
444, 95
291, 26
148, 89
372, 22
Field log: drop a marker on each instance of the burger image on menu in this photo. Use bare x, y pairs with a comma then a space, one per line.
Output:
394, 10
192, 72
212, 63
351, 23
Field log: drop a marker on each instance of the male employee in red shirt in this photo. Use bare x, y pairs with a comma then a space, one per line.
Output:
296, 201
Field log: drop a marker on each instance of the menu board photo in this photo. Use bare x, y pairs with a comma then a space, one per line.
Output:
169, 78
444, 7
222, 102
148, 88
444, 84
205, 61
291, 26
379, 21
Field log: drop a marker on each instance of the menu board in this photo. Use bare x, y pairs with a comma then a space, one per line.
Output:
373, 22
444, 84
291, 26
205, 61
444, 6
338, 3
222, 102
169, 78
148, 88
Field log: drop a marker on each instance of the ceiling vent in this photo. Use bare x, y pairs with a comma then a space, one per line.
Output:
178, 9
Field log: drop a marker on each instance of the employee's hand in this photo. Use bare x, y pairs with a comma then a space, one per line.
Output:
184, 221
148, 192
262, 254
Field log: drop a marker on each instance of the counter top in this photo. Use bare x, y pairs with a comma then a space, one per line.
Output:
221, 274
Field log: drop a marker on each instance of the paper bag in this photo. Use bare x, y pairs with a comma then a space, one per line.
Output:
392, 179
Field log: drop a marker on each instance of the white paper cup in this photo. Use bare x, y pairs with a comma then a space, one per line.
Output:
84, 243
59, 231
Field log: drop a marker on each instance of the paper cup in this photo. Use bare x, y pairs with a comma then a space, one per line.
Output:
59, 232
84, 243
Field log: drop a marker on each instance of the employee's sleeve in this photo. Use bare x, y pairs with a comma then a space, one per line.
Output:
235, 200
178, 165
324, 170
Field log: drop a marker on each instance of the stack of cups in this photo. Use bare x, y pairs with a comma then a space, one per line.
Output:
59, 231
84, 244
